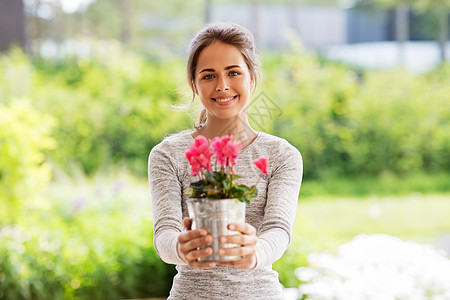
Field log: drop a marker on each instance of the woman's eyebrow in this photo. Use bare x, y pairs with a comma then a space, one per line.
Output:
232, 66
206, 70
226, 68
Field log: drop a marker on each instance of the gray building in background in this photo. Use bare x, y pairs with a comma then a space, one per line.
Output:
367, 26
317, 26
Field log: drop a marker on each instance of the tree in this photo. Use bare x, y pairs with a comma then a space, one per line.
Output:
147, 26
125, 24
12, 24
439, 8
254, 12
402, 27
207, 11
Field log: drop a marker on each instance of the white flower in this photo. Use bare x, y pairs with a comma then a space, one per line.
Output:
377, 267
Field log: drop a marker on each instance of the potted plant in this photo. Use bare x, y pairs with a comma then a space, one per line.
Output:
216, 200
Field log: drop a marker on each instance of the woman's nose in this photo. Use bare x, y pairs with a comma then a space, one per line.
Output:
222, 84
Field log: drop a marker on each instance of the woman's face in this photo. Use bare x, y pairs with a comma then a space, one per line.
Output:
222, 81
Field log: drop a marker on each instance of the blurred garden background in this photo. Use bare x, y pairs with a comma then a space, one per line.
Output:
88, 87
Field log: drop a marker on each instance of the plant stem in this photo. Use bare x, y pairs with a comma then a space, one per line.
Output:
260, 175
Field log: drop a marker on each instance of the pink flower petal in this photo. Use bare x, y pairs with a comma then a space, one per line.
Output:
262, 164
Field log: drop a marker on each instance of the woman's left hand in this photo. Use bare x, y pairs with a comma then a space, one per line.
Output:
247, 239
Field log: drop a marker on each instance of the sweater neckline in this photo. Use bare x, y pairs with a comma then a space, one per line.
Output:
258, 136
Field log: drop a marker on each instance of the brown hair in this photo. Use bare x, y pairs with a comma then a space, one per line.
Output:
227, 33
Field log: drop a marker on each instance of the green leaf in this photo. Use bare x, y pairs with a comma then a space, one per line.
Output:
244, 199
227, 184
209, 176
254, 192
220, 176
235, 176
236, 191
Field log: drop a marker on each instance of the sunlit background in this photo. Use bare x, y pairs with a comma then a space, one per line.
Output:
361, 88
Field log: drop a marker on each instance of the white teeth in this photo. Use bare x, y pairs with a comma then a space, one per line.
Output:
224, 100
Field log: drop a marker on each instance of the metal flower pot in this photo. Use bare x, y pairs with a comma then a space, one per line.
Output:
215, 215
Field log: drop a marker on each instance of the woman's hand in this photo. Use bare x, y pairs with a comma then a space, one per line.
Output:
247, 239
190, 240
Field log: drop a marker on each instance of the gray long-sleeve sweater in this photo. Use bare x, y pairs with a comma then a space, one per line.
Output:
272, 213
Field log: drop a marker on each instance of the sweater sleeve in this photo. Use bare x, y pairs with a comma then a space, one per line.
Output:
166, 194
274, 234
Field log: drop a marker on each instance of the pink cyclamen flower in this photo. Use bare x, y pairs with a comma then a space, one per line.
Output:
262, 164
199, 155
192, 155
202, 143
226, 150
217, 145
231, 151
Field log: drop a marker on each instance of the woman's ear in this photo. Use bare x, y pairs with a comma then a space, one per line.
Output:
252, 84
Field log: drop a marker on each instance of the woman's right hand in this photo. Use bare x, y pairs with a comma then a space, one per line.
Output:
189, 242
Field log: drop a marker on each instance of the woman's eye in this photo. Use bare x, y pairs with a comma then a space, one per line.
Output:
208, 76
234, 73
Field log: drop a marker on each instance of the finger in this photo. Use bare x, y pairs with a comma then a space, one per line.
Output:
187, 222
201, 265
194, 255
240, 239
247, 262
191, 234
244, 228
194, 243
237, 251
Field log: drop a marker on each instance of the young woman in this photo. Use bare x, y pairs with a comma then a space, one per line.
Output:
222, 71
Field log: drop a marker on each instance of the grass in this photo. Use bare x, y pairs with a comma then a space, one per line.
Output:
324, 223
386, 184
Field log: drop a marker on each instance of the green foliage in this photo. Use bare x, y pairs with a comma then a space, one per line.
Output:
108, 108
115, 108
24, 134
418, 5
219, 185
84, 241
386, 184
390, 121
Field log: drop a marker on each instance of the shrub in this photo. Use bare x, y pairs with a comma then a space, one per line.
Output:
114, 108
344, 124
24, 135
85, 242
68, 262
108, 108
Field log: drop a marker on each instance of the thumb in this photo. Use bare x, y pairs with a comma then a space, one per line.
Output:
187, 222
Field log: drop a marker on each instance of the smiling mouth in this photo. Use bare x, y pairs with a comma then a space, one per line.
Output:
222, 100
